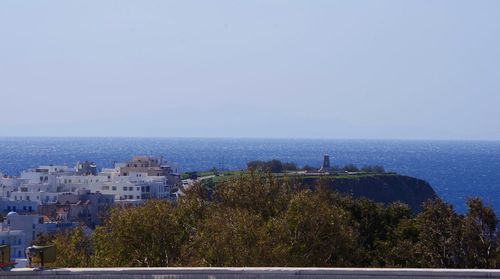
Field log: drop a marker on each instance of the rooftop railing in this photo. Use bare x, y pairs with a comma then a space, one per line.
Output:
338, 273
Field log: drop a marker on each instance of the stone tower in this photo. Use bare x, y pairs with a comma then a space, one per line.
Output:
326, 164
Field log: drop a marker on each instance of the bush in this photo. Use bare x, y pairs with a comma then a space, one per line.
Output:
256, 219
350, 168
373, 169
274, 166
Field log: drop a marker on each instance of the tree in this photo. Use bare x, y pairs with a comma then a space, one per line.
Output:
368, 218
258, 219
290, 167
373, 169
261, 194
479, 235
395, 246
228, 238
309, 168
74, 247
350, 168
191, 175
440, 235
274, 166
318, 234
139, 236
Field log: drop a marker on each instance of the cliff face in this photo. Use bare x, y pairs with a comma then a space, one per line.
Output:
385, 188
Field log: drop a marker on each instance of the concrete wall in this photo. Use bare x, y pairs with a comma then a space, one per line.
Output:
158, 273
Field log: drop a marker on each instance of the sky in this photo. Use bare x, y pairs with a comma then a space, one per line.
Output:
369, 69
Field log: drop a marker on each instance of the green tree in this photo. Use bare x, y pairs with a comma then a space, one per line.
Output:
261, 194
274, 166
440, 236
318, 234
144, 236
258, 219
74, 247
228, 238
290, 167
479, 235
402, 234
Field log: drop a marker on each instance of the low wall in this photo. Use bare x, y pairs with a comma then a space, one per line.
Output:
212, 273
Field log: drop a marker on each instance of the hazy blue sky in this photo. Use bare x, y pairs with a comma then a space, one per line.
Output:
323, 69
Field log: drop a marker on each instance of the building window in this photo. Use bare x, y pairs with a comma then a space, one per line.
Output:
124, 188
131, 188
113, 188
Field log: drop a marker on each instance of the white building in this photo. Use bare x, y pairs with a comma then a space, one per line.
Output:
7, 206
19, 231
46, 175
16, 240
38, 185
134, 186
10, 184
30, 225
142, 178
41, 197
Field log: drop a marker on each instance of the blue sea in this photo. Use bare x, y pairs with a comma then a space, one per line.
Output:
455, 169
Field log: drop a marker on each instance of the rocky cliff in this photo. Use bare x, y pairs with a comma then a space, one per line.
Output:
384, 188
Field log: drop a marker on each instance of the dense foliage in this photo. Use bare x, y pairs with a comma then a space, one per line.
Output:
257, 220
274, 166
277, 166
